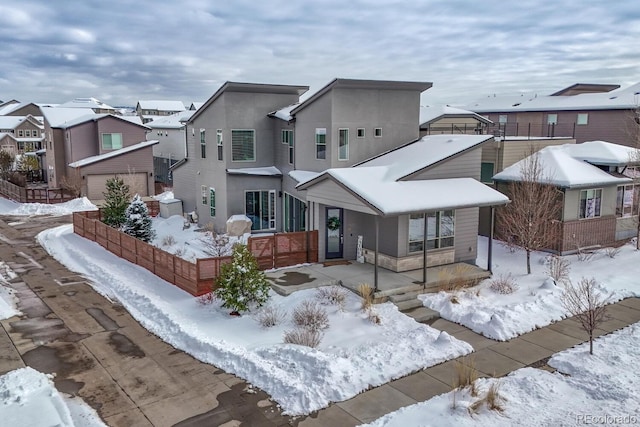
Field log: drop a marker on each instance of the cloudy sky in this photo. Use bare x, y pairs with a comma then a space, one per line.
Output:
123, 51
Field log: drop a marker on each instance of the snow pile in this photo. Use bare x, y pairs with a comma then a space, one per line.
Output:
600, 389
354, 355
166, 195
8, 300
28, 398
536, 301
30, 209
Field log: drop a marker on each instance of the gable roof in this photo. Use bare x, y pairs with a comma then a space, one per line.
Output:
249, 87
96, 117
58, 116
114, 153
380, 184
86, 103
430, 114
604, 153
623, 98
161, 105
174, 121
10, 122
562, 169
362, 84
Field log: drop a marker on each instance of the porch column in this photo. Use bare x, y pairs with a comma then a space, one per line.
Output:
424, 253
490, 247
375, 257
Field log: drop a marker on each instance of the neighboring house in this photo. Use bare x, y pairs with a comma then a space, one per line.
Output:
22, 109
598, 184
150, 110
170, 131
87, 149
450, 120
388, 200
585, 112
96, 105
20, 134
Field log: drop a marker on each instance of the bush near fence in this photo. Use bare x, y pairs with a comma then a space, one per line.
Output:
272, 251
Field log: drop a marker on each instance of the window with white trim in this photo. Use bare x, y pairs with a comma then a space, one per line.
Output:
583, 119
203, 144
360, 133
287, 138
203, 193
20, 133
552, 119
260, 207
111, 141
343, 144
590, 203
377, 132
243, 145
321, 143
212, 201
627, 200
219, 144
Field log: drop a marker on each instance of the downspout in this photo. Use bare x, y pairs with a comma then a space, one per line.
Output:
375, 261
424, 253
490, 248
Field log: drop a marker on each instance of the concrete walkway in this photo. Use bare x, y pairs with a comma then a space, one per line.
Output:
491, 359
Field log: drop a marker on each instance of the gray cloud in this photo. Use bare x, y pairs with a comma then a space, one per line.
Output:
121, 52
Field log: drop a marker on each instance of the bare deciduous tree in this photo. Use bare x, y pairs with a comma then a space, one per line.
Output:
72, 182
530, 221
587, 304
215, 244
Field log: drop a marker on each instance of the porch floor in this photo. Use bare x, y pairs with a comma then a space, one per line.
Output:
288, 280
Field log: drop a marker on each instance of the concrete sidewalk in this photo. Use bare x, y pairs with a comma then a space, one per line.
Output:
492, 359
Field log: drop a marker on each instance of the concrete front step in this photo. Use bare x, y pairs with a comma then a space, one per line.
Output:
408, 304
405, 296
422, 314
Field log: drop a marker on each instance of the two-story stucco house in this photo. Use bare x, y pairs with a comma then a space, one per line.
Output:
170, 132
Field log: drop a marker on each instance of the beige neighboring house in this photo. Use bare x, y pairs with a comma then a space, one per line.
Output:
20, 134
149, 110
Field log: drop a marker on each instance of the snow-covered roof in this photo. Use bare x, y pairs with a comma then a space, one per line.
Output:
560, 168
263, 171
284, 113
10, 122
174, 121
114, 153
429, 114
59, 116
161, 105
94, 117
87, 103
623, 98
303, 176
426, 151
379, 182
604, 153
6, 109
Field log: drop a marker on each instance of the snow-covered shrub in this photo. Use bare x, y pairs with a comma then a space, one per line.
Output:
503, 284
373, 317
611, 251
168, 241
332, 295
270, 316
303, 336
206, 299
137, 221
558, 269
309, 315
241, 285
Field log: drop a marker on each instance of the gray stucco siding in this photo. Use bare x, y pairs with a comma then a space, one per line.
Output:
466, 165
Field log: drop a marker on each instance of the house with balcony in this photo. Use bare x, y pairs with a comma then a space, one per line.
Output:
585, 112
149, 110
86, 149
597, 183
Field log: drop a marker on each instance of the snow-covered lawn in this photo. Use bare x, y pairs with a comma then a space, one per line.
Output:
599, 389
354, 354
9, 207
536, 302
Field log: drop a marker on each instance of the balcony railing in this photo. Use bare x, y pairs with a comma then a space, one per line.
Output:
517, 129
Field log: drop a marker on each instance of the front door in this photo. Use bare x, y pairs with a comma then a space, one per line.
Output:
334, 236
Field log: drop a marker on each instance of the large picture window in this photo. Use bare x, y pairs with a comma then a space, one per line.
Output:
343, 144
111, 141
627, 200
590, 203
440, 230
321, 143
243, 145
260, 207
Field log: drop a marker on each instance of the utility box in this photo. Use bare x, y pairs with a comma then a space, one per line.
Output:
170, 207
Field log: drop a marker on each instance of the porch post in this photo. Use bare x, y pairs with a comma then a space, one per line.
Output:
375, 257
424, 253
490, 248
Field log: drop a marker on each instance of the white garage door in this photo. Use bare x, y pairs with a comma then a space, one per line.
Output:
97, 184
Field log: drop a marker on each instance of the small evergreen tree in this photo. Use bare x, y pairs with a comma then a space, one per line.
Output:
116, 200
138, 222
241, 284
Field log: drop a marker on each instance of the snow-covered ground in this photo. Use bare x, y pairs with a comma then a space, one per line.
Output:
599, 389
354, 354
536, 302
9, 207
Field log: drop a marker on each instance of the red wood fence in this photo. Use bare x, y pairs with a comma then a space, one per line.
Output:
272, 251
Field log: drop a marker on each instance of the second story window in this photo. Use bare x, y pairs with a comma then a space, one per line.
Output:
583, 119
343, 144
377, 132
552, 119
321, 143
360, 133
203, 144
20, 133
111, 141
287, 138
243, 145
219, 144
